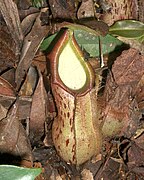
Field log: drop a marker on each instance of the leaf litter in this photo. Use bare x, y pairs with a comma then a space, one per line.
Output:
27, 107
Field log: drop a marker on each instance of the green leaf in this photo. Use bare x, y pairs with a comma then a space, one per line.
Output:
81, 27
90, 43
99, 28
127, 28
141, 40
38, 3
9, 172
47, 41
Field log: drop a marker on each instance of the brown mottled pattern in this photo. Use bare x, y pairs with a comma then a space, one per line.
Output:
88, 142
75, 131
141, 10
121, 9
63, 126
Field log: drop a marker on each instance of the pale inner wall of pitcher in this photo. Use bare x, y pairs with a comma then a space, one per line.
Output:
70, 70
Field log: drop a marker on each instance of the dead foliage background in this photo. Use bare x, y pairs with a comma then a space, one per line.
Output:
26, 104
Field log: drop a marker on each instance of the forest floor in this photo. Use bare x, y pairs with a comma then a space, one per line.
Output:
27, 107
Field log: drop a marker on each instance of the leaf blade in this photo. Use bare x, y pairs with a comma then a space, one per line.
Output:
127, 28
9, 172
90, 43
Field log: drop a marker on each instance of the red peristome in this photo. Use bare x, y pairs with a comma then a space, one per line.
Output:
53, 56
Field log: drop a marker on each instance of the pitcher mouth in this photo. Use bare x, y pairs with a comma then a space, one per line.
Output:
69, 68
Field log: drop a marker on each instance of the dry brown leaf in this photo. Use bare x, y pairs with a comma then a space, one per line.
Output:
9, 131
136, 159
24, 108
128, 68
123, 9
24, 4
140, 141
6, 88
87, 175
7, 97
40, 62
9, 76
121, 113
55, 175
29, 84
25, 94
13, 139
28, 22
23, 146
30, 46
38, 113
63, 9
7, 49
86, 9
140, 10
140, 94
3, 112
10, 14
